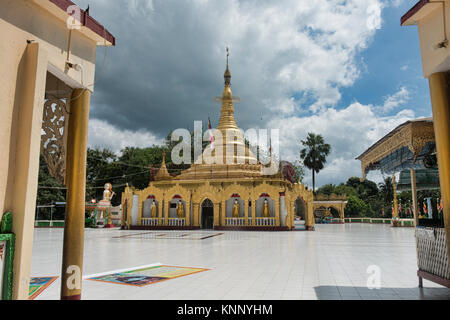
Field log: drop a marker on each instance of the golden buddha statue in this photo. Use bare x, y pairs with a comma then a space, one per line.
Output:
180, 210
108, 193
154, 211
236, 209
266, 209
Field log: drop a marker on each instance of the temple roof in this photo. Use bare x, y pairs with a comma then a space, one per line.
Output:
409, 146
86, 20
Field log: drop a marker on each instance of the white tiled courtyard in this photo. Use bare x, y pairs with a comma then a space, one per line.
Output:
330, 263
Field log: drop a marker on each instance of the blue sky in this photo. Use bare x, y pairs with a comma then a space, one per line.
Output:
393, 47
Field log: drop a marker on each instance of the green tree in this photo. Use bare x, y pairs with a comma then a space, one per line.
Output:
315, 153
387, 190
299, 171
355, 207
49, 191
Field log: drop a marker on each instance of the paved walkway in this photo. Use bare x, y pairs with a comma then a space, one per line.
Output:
330, 263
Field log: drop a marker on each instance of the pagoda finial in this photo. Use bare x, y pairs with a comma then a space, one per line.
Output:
227, 75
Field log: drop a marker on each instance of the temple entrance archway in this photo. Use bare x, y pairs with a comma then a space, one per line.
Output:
207, 216
300, 209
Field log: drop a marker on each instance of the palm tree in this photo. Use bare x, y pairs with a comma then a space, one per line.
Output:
315, 154
387, 190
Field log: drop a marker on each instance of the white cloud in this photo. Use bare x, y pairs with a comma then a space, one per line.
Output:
349, 131
397, 99
104, 135
170, 57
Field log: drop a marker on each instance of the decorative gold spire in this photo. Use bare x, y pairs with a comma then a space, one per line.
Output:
227, 75
227, 120
163, 173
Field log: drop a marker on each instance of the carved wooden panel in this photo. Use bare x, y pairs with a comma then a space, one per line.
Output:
53, 147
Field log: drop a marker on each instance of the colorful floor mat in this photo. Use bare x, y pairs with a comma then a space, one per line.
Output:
146, 276
38, 285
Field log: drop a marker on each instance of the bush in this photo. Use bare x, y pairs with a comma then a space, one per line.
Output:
356, 207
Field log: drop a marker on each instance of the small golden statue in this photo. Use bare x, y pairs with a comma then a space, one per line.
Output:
180, 209
266, 209
108, 193
154, 212
236, 209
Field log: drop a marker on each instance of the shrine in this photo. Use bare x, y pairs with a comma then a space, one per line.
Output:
236, 195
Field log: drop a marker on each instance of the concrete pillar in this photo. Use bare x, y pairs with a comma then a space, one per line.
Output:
440, 101
73, 247
24, 148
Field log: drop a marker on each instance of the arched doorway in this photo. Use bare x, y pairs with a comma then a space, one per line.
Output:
300, 209
335, 212
207, 220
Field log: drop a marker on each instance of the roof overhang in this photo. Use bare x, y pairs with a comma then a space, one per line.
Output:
90, 27
418, 12
411, 137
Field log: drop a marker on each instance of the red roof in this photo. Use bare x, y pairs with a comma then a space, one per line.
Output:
87, 21
419, 5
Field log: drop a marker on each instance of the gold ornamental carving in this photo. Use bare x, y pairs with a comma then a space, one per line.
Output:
53, 147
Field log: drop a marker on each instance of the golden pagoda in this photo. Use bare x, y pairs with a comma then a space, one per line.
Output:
225, 189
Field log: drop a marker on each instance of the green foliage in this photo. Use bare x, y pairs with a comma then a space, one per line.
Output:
299, 171
356, 207
387, 189
315, 153
53, 191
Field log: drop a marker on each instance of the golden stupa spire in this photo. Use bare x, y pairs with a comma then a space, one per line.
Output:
227, 120
163, 173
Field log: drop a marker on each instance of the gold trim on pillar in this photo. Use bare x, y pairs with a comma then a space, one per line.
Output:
73, 247
440, 101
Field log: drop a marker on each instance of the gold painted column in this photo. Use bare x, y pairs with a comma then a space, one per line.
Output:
188, 214
277, 212
224, 213
395, 213
195, 214
246, 211
161, 213
414, 197
253, 212
216, 214
310, 216
73, 247
167, 213
440, 101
